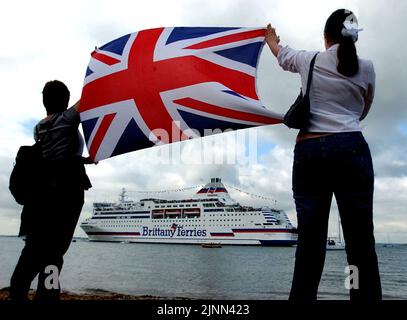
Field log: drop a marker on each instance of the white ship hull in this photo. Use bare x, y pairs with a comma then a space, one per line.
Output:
266, 237
236, 242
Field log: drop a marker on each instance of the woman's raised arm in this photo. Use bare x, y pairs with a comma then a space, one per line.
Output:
272, 39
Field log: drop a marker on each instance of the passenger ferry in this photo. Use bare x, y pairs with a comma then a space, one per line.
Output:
210, 216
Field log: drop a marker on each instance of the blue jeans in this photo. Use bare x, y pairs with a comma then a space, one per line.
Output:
339, 164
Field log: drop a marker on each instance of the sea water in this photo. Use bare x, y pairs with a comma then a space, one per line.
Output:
230, 272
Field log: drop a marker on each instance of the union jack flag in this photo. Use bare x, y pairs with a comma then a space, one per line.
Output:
174, 226
180, 80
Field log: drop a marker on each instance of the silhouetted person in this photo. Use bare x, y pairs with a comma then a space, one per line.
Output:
48, 221
331, 157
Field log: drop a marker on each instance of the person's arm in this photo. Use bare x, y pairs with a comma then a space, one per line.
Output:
85, 160
368, 102
369, 94
272, 40
289, 59
76, 105
71, 115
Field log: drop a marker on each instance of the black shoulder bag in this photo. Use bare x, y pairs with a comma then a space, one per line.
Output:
26, 174
297, 117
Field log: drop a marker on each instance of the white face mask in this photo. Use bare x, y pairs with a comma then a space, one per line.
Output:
351, 28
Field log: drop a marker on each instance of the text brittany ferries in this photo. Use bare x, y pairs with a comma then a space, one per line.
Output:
211, 216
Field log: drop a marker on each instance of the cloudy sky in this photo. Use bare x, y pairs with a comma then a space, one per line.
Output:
46, 40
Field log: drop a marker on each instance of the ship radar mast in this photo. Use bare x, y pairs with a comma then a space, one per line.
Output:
122, 195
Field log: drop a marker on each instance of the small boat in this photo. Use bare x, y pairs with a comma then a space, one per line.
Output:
336, 244
211, 245
331, 244
388, 244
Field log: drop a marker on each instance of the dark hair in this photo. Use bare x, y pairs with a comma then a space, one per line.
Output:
55, 96
348, 63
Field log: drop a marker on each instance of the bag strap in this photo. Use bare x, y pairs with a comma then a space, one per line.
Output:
311, 69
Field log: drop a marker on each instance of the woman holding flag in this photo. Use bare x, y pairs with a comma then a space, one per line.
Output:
331, 157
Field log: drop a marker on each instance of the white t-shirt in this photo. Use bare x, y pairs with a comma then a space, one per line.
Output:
337, 102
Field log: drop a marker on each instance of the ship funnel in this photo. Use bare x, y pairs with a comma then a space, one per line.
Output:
215, 189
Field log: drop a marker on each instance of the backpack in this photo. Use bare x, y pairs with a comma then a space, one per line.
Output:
26, 174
